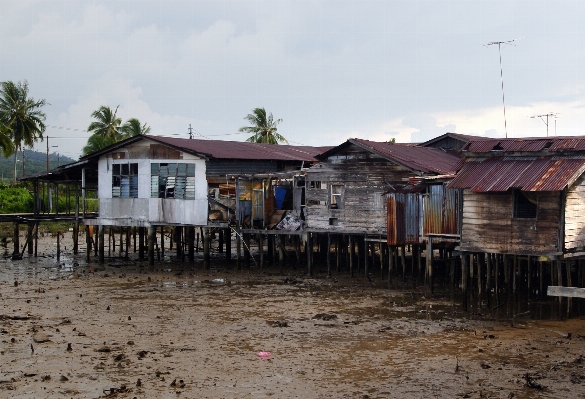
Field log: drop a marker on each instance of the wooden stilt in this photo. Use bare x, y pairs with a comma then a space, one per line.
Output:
228, 243
480, 263
162, 242
206, 248
351, 255
280, 241
261, 250
514, 275
298, 250
101, 236
403, 261
141, 243
221, 241
238, 245
309, 255
429, 272
151, 240
338, 241
391, 264
16, 241
488, 276
464, 274
58, 246
328, 255
381, 260
247, 254
366, 250
87, 244
29, 238
191, 243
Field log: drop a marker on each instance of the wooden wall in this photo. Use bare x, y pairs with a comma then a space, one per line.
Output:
488, 225
364, 179
575, 215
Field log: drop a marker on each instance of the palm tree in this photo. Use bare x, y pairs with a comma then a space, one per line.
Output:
21, 115
96, 142
133, 128
107, 124
263, 128
6, 145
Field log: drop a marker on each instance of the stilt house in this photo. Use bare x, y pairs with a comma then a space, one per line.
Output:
346, 190
523, 197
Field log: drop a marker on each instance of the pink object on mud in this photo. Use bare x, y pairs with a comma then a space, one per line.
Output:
264, 354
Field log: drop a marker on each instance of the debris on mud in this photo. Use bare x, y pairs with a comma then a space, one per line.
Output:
530, 382
324, 316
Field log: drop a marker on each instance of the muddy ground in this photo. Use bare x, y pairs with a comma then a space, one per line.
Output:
69, 329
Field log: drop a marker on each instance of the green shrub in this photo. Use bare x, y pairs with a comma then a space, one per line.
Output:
15, 199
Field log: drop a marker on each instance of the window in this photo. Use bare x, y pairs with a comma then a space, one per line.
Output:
336, 197
525, 205
172, 180
125, 180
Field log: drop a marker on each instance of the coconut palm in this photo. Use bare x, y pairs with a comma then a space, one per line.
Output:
107, 123
6, 145
96, 142
263, 128
21, 115
133, 128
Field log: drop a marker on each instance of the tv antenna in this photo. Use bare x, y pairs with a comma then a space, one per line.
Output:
502, 74
550, 114
190, 132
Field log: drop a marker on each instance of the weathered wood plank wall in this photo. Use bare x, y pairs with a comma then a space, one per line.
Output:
575, 215
488, 225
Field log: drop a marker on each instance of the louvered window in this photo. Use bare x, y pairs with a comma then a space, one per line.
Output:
125, 180
172, 180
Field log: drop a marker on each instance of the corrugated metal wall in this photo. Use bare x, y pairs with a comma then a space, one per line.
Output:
411, 216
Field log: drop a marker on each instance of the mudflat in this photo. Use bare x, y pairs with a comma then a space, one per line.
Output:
124, 330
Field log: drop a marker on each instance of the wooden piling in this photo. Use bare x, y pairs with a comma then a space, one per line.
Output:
247, 254
151, 240
16, 241
351, 255
206, 248
191, 243
464, 274
280, 241
260, 240
58, 246
87, 244
309, 255
228, 243
101, 236
221, 240
29, 238
141, 243
429, 259
328, 255
238, 245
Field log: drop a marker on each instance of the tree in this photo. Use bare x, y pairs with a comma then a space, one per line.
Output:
22, 116
133, 128
96, 142
263, 128
107, 123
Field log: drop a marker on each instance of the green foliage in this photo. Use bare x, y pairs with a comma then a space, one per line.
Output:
263, 128
15, 199
107, 129
34, 161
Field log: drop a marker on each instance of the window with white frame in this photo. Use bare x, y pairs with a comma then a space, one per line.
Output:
172, 180
125, 180
336, 196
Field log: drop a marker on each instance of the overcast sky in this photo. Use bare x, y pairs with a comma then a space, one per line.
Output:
332, 70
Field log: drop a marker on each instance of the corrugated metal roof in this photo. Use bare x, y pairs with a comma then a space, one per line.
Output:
220, 149
423, 159
499, 174
550, 144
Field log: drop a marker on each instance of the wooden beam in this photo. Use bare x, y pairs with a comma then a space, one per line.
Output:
571, 292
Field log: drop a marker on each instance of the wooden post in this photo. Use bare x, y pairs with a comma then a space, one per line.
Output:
338, 242
87, 244
58, 246
36, 237
134, 238
191, 243
403, 260
419, 250
488, 277
568, 270
261, 250
309, 255
328, 255
541, 279
151, 239
101, 245
382, 260
514, 273
206, 247
76, 224
464, 274
16, 240
366, 250
280, 240
480, 262
351, 255
128, 229
162, 242
429, 259
238, 245
220, 249
529, 276
29, 238
121, 240
390, 263
141, 243
228, 243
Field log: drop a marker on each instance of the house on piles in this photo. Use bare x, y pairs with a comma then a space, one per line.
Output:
346, 192
523, 197
152, 180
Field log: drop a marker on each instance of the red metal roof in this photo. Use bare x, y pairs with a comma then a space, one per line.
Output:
499, 174
220, 149
423, 159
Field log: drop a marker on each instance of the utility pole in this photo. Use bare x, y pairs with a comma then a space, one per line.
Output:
502, 76
47, 153
190, 132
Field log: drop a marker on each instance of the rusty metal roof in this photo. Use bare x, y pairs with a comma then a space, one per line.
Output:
423, 159
545, 144
499, 174
220, 149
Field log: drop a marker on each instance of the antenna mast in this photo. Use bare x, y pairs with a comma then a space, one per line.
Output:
552, 115
502, 75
